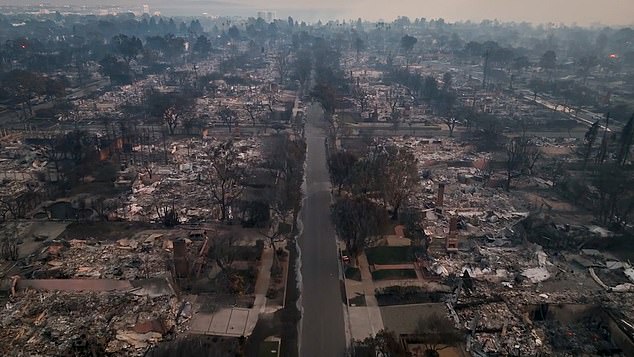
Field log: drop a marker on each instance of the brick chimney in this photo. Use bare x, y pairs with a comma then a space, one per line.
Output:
181, 263
441, 195
453, 224
451, 240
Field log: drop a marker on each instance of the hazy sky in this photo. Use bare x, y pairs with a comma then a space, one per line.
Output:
582, 12
619, 12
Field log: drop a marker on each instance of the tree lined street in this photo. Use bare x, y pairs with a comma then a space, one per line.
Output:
322, 330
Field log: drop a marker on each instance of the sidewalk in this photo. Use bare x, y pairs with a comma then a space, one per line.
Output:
366, 320
261, 287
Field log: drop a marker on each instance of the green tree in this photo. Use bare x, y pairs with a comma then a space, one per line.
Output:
202, 46
357, 220
127, 47
407, 44
384, 343
303, 66
23, 86
234, 32
341, 165
359, 46
548, 60
117, 70
430, 88
55, 87
412, 220
326, 96
436, 332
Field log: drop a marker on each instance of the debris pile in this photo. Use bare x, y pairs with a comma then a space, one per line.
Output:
86, 323
125, 259
183, 183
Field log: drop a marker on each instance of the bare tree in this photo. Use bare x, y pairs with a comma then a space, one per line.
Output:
392, 98
282, 65
625, 142
589, 140
191, 122
361, 96
388, 173
358, 46
171, 119
444, 104
225, 176
451, 123
521, 156
9, 245
9, 249
612, 181
276, 233
602, 155
104, 206
286, 161
148, 168
253, 110
273, 233
223, 250
400, 175
395, 119
14, 205
23, 87
167, 213
229, 117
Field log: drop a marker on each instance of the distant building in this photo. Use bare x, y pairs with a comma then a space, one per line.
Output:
267, 16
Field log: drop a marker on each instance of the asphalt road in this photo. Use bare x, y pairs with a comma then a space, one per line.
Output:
323, 331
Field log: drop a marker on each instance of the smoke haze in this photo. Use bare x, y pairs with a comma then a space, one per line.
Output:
581, 12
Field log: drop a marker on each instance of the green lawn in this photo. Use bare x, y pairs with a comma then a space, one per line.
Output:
353, 273
390, 255
269, 349
358, 300
393, 274
402, 295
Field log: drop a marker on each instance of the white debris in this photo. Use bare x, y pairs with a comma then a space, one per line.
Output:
536, 275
